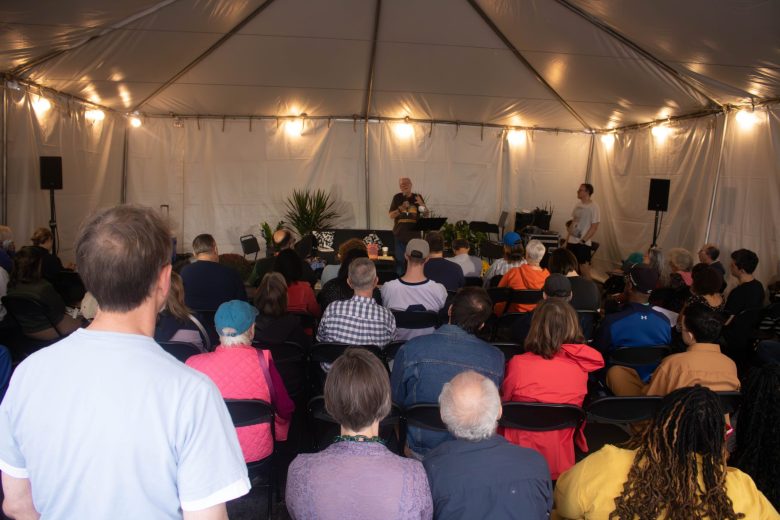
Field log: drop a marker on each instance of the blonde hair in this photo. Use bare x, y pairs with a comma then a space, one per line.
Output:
175, 302
40, 236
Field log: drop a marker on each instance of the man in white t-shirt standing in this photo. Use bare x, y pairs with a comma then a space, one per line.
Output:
104, 423
585, 222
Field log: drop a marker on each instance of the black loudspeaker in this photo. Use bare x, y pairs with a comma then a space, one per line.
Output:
658, 198
51, 173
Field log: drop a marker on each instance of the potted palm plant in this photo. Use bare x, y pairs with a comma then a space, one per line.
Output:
310, 210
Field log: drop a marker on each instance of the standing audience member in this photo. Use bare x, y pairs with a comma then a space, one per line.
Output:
241, 371
357, 476
749, 294
471, 265
274, 324
300, 295
585, 222
554, 369
414, 291
528, 276
424, 364
514, 256
674, 469
207, 283
439, 269
359, 320
332, 270
176, 322
758, 431
701, 364
27, 281
146, 436
338, 288
480, 474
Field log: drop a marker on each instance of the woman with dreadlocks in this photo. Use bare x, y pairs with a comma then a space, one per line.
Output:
675, 469
758, 433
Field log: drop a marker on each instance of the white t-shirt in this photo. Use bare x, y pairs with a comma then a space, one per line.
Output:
108, 425
400, 295
583, 216
471, 265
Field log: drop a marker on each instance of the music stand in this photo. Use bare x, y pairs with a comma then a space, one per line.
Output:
430, 224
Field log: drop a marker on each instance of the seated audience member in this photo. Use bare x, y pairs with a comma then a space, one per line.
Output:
176, 322
709, 255
51, 267
300, 295
514, 256
674, 469
282, 239
701, 364
749, 294
528, 276
471, 265
440, 269
207, 283
7, 248
357, 476
554, 369
274, 324
332, 270
705, 288
480, 474
26, 280
241, 371
337, 288
656, 260
556, 287
636, 324
584, 292
758, 443
422, 365
414, 291
680, 264
768, 351
359, 320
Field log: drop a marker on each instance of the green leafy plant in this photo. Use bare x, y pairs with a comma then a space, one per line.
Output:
268, 233
310, 210
460, 229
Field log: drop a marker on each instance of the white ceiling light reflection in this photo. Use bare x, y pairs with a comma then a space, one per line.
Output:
608, 140
403, 130
94, 115
746, 119
294, 127
661, 132
516, 137
135, 121
41, 105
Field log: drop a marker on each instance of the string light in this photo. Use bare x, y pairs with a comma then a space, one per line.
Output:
515, 137
94, 115
608, 139
41, 105
661, 132
746, 118
135, 121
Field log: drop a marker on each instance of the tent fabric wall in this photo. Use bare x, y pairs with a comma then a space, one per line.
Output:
91, 167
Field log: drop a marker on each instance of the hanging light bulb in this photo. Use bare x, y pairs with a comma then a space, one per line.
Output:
661, 132
94, 115
746, 118
41, 105
516, 137
404, 130
608, 139
135, 121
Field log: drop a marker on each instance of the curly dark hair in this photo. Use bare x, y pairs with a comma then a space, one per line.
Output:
758, 435
685, 437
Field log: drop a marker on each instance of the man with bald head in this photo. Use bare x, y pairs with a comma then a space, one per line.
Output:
405, 209
480, 474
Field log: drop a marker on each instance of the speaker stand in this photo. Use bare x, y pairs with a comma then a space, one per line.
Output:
656, 228
53, 222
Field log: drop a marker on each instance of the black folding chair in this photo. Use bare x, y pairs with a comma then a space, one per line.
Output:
473, 281
541, 417
609, 418
588, 320
206, 318
386, 276
391, 349
325, 427
504, 325
730, 401
638, 356
24, 308
500, 295
526, 297
738, 335
509, 350
290, 361
181, 350
248, 412
491, 250
308, 322
416, 319
323, 354
426, 416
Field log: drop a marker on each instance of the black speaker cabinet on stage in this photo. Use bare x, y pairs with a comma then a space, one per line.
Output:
51, 173
658, 198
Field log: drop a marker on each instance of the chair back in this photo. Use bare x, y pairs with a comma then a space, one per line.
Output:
490, 249
541, 417
249, 244
308, 322
426, 416
639, 356
416, 319
248, 412
290, 361
473, 281
206, 318
509, 350
391, 349
499, 294
180, 350
730, 401
738, 334
622, 410
588, 321
526, 296
325, 427
495, 280
204, 335
323, 354
386, 276
22, 308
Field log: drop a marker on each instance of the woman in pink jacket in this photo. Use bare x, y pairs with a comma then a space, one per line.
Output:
554, 369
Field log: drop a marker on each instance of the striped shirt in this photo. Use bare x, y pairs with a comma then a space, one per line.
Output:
357, 321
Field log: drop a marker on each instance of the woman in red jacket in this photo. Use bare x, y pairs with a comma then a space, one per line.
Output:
554, 369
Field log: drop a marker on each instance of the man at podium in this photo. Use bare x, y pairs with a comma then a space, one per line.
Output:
405, 209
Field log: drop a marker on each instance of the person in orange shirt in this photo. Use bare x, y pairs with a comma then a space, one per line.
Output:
528, 276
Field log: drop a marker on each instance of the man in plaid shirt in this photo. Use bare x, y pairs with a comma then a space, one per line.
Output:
359, 320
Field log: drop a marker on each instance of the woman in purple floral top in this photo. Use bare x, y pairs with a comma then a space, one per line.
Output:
357, 477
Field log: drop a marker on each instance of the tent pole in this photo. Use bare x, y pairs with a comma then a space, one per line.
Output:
589, 167
5, 152
717, 176
367, 107
123, 194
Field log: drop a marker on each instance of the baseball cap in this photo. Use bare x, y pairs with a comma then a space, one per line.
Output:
418, 248
557, 285
234, 318
511, 238
643, 278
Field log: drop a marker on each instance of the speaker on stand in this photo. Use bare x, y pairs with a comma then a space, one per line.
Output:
51, 179
658, 201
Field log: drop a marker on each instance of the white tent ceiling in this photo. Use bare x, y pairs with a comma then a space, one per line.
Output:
556, 64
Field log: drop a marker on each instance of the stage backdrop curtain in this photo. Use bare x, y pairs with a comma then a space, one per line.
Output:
747, 205
223, 179
91, 166
621, 174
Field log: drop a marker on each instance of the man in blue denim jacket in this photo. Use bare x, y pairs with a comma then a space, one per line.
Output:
425, 363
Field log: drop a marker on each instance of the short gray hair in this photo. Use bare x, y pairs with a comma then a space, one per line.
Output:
534, 251
362, 273
470, 406
239, 339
